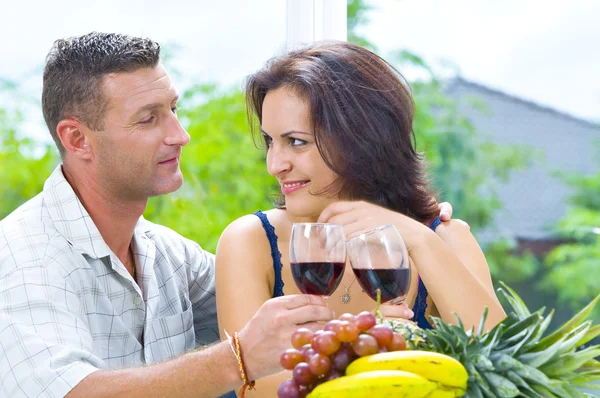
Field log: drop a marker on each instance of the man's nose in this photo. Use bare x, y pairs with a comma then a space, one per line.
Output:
176, 134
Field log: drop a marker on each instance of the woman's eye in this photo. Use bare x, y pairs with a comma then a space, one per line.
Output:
268, 140
296, 141
174, 109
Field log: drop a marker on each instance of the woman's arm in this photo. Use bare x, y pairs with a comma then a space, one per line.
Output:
457, 275
454, 271
244, 281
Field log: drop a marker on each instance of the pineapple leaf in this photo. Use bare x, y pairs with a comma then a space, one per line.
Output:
591, 334
482, 363
570, 325
524, 387
482, 322
484, 386
574, 337
572, 392
515, 301
544, 392
515, 348
509, 342
504, 363
490, 342
501, 385
459, 321
533, 319
591, 387
541, 329
592, 364
557, 388
473, 391
567, 363
533, 375
537, 359
583, 377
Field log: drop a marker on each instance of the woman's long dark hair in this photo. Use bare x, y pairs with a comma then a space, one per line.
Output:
361, 112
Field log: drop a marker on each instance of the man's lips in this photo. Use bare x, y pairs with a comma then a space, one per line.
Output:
170, 161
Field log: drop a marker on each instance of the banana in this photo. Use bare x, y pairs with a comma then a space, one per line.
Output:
446, 392
431, 365
379, 383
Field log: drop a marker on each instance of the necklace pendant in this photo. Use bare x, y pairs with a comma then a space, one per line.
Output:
346, 298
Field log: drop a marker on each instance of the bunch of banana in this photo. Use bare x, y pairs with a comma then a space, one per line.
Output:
377, 383
399, 374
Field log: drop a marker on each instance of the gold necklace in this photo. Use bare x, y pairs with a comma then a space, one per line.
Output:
346, 297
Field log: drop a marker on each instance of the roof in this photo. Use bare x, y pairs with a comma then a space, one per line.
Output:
462, 82
534, 199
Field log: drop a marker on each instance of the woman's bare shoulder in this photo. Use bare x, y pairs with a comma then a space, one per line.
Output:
246, 230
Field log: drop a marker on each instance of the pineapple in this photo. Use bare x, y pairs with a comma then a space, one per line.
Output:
514, 358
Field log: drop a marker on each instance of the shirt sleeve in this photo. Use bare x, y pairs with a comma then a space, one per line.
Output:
202, 293
46, 348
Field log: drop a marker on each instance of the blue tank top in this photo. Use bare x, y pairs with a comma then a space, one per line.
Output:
420, 301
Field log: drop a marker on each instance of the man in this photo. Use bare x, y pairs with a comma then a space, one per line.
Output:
89, 290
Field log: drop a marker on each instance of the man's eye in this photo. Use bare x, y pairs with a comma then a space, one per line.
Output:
148, 120
174, 109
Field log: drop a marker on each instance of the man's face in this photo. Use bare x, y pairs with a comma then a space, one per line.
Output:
137, 154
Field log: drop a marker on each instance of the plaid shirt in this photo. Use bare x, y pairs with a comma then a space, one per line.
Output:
68, 306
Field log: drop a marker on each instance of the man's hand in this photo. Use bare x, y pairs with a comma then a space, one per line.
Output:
446, 213
268, 333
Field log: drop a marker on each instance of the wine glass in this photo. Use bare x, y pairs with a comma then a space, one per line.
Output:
317, 257
380, 260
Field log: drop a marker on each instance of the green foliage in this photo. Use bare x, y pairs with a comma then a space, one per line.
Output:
357, 16
24, 163
572, 267
505, 263
465, 166
225, 174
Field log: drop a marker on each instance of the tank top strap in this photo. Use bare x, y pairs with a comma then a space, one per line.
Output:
275, 253
421, 300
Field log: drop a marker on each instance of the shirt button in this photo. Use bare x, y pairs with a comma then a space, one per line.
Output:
137, 300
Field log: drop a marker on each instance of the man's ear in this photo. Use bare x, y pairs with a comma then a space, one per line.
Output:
73, 136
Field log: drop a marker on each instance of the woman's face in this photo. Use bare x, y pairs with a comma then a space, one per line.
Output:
292, 156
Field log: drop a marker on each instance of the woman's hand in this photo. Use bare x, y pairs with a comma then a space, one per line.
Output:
359, 217
396, 311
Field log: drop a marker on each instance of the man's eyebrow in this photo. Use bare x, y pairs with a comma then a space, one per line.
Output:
154, 105
284, 135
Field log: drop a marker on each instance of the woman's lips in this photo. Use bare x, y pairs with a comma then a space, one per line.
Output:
292, 186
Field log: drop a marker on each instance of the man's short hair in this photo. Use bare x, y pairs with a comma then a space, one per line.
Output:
73, 75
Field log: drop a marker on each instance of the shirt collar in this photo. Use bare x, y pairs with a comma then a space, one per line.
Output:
72, 220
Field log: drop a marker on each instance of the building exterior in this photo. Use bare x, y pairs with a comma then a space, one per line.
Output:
534, 199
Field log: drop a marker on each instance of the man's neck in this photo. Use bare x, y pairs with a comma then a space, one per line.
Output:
114, 218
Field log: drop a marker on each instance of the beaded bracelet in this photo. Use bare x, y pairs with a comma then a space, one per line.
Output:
237, 352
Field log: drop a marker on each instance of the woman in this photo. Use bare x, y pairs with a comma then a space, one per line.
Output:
337, 123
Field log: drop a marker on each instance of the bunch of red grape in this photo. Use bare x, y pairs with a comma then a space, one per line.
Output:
325, 354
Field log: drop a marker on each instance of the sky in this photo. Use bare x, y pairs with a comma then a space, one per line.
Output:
545, 51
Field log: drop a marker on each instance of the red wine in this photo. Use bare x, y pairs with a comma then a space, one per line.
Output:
318, 278
393, 282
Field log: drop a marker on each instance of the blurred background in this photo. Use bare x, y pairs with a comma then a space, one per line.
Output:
508, 115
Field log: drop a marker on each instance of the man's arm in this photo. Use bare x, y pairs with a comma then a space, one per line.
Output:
210, 372
213, 371
46, 348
